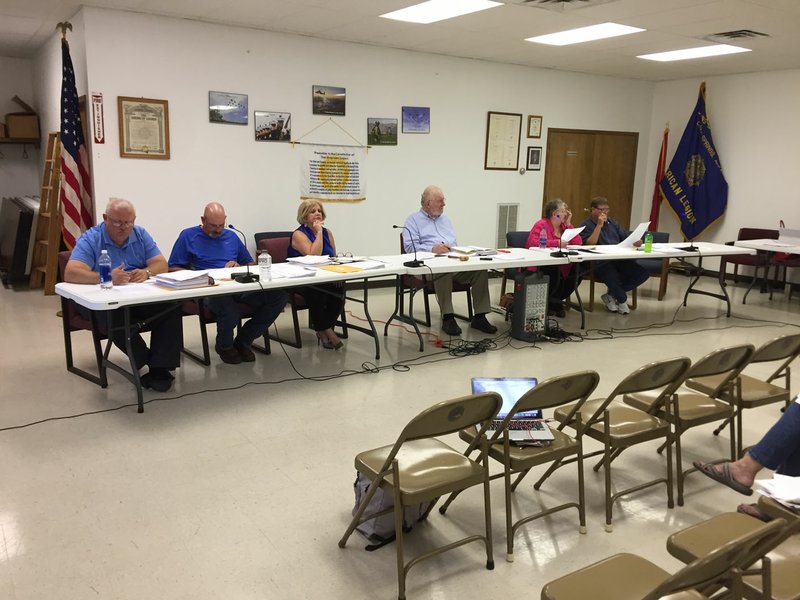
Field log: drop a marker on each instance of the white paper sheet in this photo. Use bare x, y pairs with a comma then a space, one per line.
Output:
311, 259
635, 235
571, 233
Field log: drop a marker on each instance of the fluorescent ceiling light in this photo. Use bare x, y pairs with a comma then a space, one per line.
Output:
584, 34
439, 10
703, 51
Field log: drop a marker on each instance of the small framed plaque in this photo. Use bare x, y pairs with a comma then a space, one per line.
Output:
502, 141
143, 128
534, 158
534, 126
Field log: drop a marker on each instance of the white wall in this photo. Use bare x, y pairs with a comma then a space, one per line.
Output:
19, 176
130, 54
756, 127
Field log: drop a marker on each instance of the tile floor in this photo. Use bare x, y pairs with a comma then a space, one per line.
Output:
238, 483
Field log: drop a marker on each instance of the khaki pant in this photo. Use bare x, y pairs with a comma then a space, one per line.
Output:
479, 281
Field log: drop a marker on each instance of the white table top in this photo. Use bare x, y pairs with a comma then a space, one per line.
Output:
515, 257
768, 245
664, 250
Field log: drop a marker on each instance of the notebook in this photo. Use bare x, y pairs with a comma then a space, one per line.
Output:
526, 427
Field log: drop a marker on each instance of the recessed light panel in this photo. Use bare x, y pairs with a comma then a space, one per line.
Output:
584, 34
688, 53
439, 10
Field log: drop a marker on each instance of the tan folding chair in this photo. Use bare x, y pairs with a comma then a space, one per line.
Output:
419, 468
631, 577
618, 426
687, 409
753, 392
779, 554
554, 392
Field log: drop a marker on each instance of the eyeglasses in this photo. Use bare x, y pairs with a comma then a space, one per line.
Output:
603, 210
118, 223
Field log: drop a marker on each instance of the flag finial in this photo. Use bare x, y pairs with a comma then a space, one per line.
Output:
63, 27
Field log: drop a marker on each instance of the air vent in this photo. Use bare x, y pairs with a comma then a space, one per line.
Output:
739, 34
506, 221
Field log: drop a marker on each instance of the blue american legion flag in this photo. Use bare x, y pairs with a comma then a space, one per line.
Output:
76, 186
694, 185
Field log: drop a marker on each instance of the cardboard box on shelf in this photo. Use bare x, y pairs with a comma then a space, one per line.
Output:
22, 126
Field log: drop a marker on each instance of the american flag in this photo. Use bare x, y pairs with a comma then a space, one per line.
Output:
76, 185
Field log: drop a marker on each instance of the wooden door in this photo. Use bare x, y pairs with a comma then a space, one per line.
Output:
581, 164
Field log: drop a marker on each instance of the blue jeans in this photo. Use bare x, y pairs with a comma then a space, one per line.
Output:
621, 276
266, 306
779, 449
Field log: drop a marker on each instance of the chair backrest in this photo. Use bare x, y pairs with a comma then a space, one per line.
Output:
716, 565
729, 361
785, 348
517, 239
452, 415
63, 259
278, 247
667, 374
660, 237
265, 235
754, 233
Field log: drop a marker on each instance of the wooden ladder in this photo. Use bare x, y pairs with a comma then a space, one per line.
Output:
44, 266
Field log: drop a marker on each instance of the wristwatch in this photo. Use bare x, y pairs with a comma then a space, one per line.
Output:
149, 273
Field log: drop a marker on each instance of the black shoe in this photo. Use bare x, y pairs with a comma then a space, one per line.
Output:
158, 384
245, 353
229, 355
480, 323
450, 327
557, 311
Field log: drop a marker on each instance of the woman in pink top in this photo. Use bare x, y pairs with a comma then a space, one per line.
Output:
557, 219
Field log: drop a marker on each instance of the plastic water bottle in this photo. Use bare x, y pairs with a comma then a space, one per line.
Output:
104, 265
264, 267
648, 242
543, 238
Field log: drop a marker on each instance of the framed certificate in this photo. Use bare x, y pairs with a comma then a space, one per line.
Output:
534, 126
143, 128
502, 141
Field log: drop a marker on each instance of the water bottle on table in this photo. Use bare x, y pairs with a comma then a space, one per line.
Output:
264, 267
648, 242
104, 266
543, 238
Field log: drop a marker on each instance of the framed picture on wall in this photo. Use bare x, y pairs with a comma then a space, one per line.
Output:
416, 119
143, 128
225, 107
534, 126
273, 126
381, 132
502, 141
534, 158
328, 100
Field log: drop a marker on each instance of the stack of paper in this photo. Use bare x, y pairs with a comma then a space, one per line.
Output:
181, 280
291, 271
783, 488
310, 260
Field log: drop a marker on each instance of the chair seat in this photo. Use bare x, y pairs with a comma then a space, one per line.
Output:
701, 539
428, 469
619, 577
785, 571
626, 425
694, 409
525, 457
755, 392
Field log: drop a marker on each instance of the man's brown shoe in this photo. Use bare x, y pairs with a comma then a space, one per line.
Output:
229, 355
244, 350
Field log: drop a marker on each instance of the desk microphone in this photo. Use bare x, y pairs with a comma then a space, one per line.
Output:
242, 277
415, 262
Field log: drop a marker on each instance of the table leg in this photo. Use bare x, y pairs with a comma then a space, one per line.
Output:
398, 314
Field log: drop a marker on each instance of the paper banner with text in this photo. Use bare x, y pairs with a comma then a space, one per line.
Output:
332, 173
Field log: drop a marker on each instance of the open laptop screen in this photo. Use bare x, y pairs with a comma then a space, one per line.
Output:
510, 389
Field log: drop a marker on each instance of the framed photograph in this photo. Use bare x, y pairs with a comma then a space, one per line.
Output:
381, 132
273, 126
143, 128
416, 119
225, 107
502, 141
534, 126
534, 158
328, 100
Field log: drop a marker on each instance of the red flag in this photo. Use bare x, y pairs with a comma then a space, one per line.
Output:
76, 185
662, 164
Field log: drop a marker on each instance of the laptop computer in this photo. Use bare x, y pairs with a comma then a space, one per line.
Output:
526, 427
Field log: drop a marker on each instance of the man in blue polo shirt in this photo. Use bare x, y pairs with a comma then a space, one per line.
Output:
211, 246
621, 276
430, 230
134, 258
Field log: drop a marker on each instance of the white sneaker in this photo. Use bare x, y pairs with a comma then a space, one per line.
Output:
610, 303
623, 308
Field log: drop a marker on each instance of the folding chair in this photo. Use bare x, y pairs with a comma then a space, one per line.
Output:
618, 426
554, 392
690, 409
631, 577
753, 392
419, 468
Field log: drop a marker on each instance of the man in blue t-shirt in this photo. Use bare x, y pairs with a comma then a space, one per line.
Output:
211, 246
134, 258
621, 276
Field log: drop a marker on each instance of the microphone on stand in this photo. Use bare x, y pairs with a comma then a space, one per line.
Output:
415, 262
243, 277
